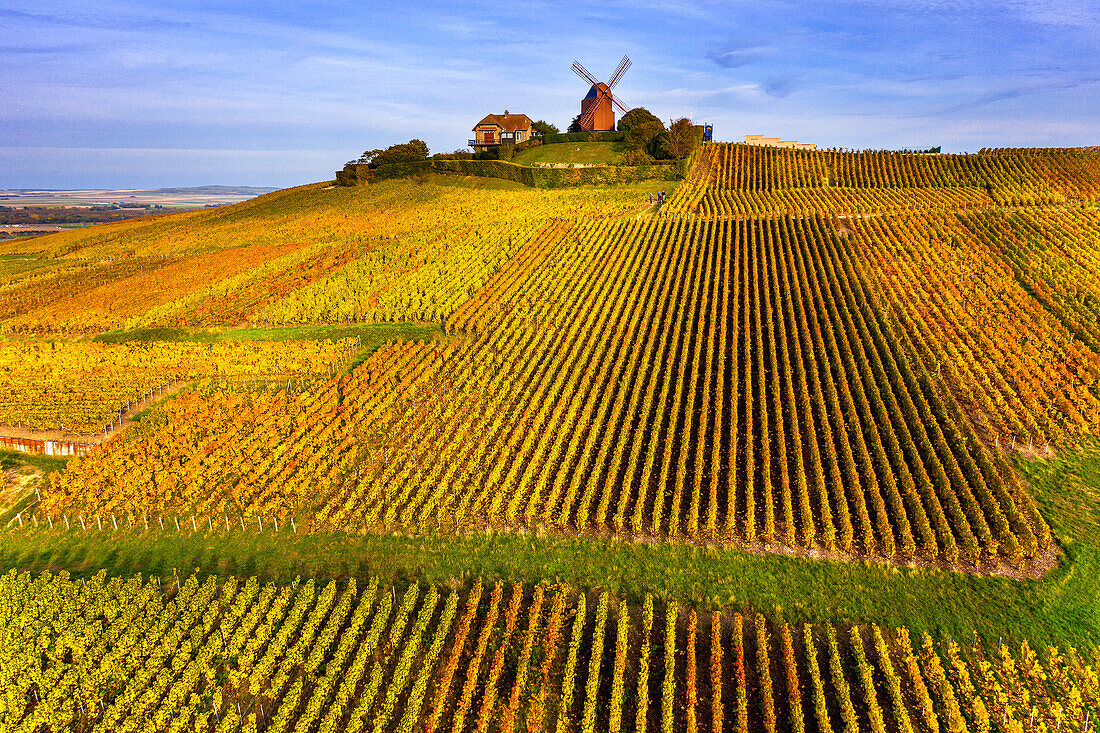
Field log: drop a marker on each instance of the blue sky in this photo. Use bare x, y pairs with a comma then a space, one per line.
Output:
137, 94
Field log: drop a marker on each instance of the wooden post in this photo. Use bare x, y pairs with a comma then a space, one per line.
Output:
260, 522
276, 520
114, 521
193, 527
82, 525
177, 523
292, 527
99, 522
161, 520
66, 521
50, 520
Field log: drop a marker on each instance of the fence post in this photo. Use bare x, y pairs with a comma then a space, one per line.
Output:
99, 522
161, 520
82, 525
260, 522
193, 527
66, 521
50, 520
276, 520
114, 521
19, 516
292, 527
177, 523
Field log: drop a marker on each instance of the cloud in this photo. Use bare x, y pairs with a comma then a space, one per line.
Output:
780, 86
1017, 92
735, 57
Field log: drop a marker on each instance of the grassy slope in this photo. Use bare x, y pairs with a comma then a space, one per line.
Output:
1061, 608
374, 334
572, 153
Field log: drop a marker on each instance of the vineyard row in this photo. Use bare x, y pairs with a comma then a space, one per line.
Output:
127, 655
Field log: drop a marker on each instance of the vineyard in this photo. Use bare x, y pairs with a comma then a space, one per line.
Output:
237, 655
403, 252
731, 382
733, 179
82, 386
808, 447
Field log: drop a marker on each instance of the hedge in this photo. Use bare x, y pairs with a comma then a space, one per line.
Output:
535, 177
609, 136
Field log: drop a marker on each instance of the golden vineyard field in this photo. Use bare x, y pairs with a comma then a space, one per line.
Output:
822, 384
740, 179
808, 375
227, 655
728, 381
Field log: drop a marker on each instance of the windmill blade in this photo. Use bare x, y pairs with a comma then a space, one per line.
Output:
623, 66
586, 118
619, 104
583, 73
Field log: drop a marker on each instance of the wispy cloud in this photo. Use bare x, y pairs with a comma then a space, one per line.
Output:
735, 57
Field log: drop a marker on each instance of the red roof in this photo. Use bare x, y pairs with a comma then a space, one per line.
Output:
506, 122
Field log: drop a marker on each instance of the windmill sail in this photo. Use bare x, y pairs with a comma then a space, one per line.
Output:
598, 106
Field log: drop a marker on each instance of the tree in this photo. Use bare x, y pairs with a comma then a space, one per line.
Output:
638, 116
402, 153
641, 127
681, 140
575, 125
643, 135
369, 155
543, 128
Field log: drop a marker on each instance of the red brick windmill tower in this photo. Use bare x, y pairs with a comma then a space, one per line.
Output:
597, 112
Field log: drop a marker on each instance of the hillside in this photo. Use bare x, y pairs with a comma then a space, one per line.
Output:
813, 446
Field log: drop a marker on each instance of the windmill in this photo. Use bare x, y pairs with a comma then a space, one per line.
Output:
596, 110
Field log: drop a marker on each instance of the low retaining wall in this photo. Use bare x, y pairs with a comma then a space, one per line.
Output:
45, 447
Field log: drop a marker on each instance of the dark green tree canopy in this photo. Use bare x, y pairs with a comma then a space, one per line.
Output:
681, 140
369, 155
637, 117
575, 125
402, 153
542, 127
